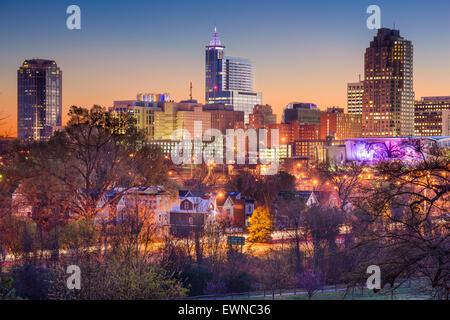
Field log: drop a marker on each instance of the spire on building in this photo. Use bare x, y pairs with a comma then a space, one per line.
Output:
215, 41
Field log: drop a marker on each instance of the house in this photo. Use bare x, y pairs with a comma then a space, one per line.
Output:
194, 211
238, 208
153, 203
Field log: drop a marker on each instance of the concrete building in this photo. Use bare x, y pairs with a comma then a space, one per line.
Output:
180, 116
446, 123
262, 115
142, 111
305, 113
339, 125
355, 91
224, 117
429, 117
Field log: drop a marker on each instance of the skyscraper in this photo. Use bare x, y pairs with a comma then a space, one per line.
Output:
229, 80
388, 98
39, 99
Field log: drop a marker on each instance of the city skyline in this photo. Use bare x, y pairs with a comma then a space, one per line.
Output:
162, 59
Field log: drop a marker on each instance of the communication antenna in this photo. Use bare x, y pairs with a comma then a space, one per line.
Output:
190, 90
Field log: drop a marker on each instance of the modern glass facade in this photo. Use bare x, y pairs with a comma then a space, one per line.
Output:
239, 74
229, 80
39, 99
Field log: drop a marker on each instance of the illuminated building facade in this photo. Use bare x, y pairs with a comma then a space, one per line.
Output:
229, 80
335, 123
39, 99
355, 93
142, 111
388, 98
429, 117
308, 131
307, 149
381, 149
176, 116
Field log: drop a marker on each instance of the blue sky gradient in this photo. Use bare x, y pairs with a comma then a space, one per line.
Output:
302, 50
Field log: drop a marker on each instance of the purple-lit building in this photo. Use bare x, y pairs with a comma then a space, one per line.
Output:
378, 149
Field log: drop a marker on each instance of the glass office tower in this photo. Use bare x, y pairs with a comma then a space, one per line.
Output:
215, 61
39, 99
229, 80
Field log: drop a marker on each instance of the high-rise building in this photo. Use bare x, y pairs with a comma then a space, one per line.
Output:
428, 116
238, 74
306, 113
229, 80
355, 92
388, 98
39, 99
339, 125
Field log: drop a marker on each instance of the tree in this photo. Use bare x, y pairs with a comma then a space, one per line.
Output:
264, 189
310, 282
260, 225
94, 154
291, 213
323, 226
116, 277
407, 234
195, 278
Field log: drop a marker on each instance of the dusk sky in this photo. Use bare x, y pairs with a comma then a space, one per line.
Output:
302, 50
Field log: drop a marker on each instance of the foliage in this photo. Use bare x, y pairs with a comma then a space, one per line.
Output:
32, 282
238, 282
115, 278
196, 277
260, 226
215, 288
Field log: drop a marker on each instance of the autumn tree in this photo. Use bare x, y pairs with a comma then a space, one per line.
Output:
260, 225
94, 154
